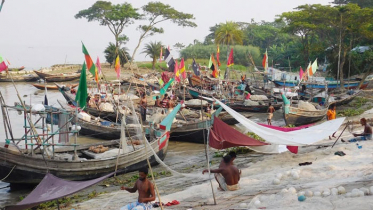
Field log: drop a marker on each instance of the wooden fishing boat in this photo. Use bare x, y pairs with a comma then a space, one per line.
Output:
43, 75
331, 84
51, 87
337, 99
23, 78
24, 166
298, 117
63, 77
240, 107
16, 69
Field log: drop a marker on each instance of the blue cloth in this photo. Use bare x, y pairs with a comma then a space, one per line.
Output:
361, 138
137, 206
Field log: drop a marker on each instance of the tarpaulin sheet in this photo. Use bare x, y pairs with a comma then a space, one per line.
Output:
51, 188
222, 136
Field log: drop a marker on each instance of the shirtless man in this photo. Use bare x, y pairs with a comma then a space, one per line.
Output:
157, 102
143, 104
270, 111
165, 101
366, 135
146, 192
227, 175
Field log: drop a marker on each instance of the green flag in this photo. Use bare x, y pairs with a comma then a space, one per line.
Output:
164, 89
82, 94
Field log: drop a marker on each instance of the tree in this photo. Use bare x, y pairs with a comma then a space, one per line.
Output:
226, 34
153, 49
209, 39
115, 17
157, 12
111, 53
361, 3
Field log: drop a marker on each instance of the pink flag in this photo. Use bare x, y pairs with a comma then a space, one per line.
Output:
98, 64
3, 66
301, 73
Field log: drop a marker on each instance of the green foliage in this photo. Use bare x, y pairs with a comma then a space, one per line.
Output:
228, 33
255, 136
153, 50
241, 53
114, 16
237, 150
157, 12
350, 112
110, 54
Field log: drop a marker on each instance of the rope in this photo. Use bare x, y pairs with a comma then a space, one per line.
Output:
8, 174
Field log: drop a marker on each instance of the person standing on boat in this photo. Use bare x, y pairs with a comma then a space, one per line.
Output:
227, 175
146, 192
270, 111
331, 115
366, 135
143, 104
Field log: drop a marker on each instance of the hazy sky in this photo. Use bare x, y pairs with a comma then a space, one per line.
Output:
40, 33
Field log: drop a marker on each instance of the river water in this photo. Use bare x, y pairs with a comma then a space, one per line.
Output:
31, 95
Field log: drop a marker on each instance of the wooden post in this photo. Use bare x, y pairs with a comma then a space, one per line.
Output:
208, 164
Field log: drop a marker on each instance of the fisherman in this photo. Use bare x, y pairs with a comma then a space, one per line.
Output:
143, 104
146, 192
157, 102
233, 157
171, 104
331, 115
270, 111
227, 175
366, 135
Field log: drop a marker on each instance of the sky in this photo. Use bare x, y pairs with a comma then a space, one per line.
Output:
40, 33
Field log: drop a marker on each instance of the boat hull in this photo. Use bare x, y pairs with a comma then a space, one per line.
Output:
351, 85
31, 170
299, 117
256, 108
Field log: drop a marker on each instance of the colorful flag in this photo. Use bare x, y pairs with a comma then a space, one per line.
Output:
117, 66
98, 64
301, 73
160, 56
217, 56
195, 68
160, 82
164, 89
45, 95
265, 61
314, 66
213, 66
167, 56
90, 65
176, 72
182, 68
3, 66
82, 93
230, 61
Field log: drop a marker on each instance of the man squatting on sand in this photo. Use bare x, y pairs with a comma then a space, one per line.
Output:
366, 135
146, 192
227, 175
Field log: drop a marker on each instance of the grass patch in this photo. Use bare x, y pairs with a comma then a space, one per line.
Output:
350, 112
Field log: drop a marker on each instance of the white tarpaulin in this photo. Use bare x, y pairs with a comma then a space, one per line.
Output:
295, 138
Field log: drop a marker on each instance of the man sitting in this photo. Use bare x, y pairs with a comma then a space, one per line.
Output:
146, 192
366, 135
227, 175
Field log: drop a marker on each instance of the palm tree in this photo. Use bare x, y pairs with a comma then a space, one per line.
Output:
226, 34
110, 54
153, 49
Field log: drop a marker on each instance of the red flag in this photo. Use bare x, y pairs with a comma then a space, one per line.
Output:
230, 61
265, 61
217, 56
182, 68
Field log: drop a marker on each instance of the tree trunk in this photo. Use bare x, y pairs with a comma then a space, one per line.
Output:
226, 75
369, 70
343, 61
116, 46
154, 60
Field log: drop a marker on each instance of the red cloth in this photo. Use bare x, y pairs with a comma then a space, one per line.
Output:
223, 136
166, 76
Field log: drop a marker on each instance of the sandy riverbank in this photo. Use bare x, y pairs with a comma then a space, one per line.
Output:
327, 171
